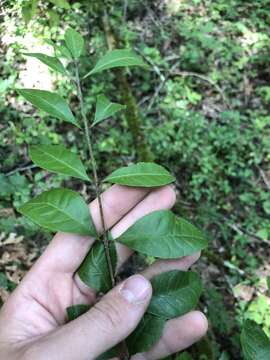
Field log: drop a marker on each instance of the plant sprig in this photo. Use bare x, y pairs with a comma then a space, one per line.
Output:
160, 234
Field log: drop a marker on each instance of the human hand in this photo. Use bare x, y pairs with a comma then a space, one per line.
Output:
33, 320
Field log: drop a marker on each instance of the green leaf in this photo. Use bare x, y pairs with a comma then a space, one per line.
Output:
6, 187
94, 269
255, 343
58, 159
29, 10
54, 18
117, 58
74, 42
263, 233
184, 356
50, 61
60, 210
110, 354
63, 51
141, 174
174, 293
105, 109
75, 311
49, 102
3, 281
163, 235
146, 334
61, 3
266, 207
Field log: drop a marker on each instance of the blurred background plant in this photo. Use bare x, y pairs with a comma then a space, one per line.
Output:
201, 110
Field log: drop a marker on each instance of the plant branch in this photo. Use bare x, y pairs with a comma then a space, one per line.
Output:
105, 239
173, 73
206, 79
264, 177
20, 169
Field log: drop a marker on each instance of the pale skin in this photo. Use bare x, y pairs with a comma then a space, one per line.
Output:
33, 320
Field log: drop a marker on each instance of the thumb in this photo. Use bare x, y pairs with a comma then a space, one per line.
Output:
106, 324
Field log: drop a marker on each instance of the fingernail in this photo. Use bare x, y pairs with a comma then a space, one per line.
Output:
136, 289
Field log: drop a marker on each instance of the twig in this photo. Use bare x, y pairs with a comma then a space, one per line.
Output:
156, 93
204, 78
24, 168
105, 239
172, 73
143, 100
125, 7
154, 66
237, 228
264, 177
159, 88
155, 21
163, 79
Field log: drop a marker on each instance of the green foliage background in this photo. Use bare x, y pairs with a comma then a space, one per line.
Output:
204, 111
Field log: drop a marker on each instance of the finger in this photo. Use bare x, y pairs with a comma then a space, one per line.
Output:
161, 266
102, 327
178, 334
66, 251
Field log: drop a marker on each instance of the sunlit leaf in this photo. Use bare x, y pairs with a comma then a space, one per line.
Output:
29, 9
174, 293
105, 109
61, 3
141, 174
63, 51
58, 159
49, 102
163, 235
94, 269
60, 210
117, 58
74, 42
75, 311
146, 334
255, 343
50, 61
54, 18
